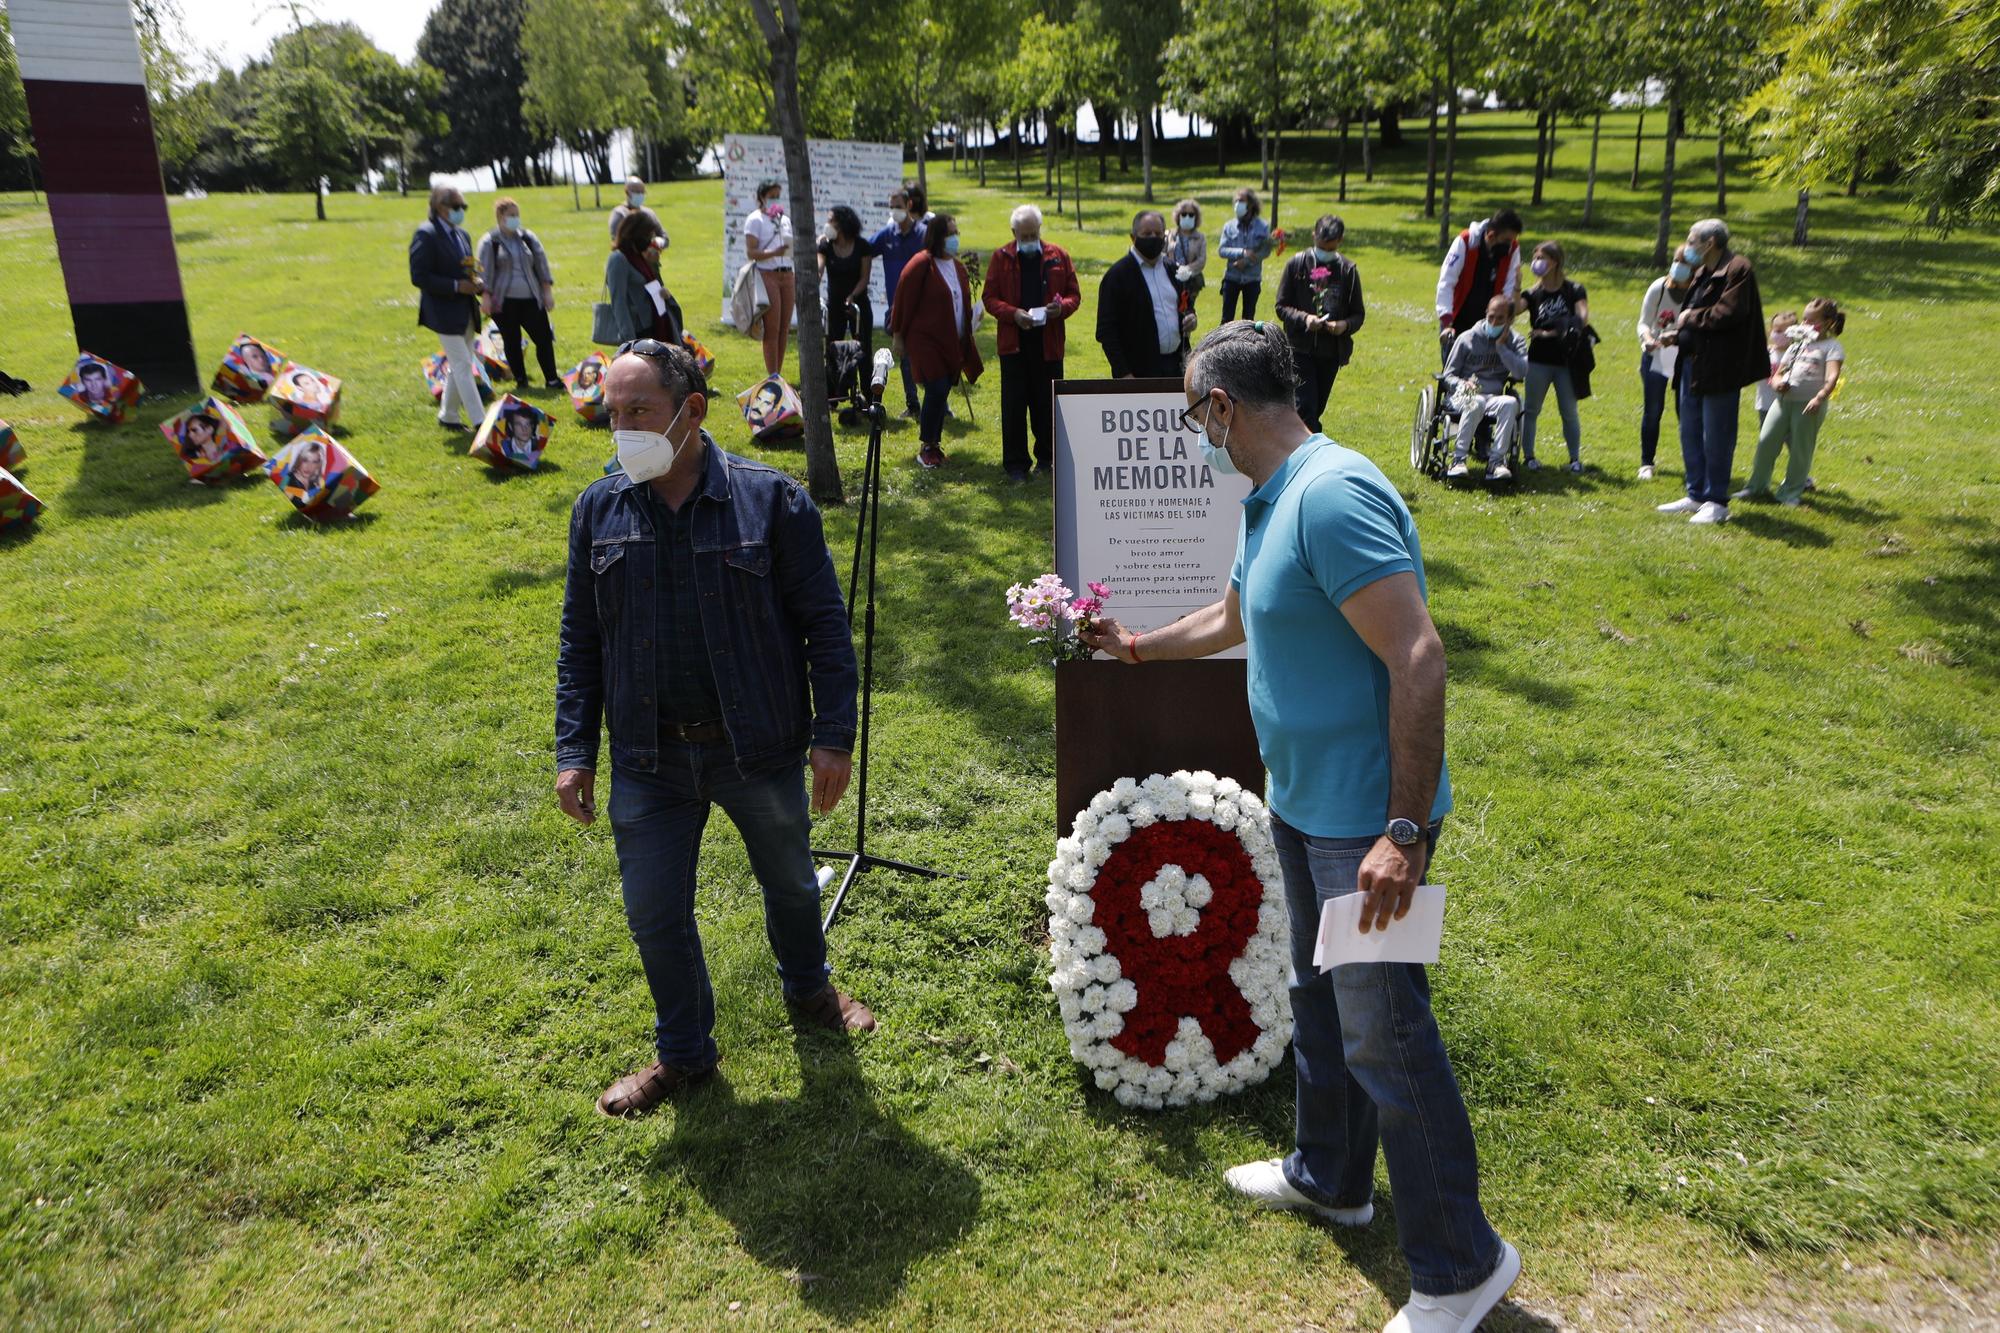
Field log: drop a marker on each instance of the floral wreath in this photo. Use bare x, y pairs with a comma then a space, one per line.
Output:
1168, 940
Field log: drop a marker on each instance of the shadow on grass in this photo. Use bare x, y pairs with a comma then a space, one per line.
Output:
128, 468
506, 582
1966, 604
1469, 655
824, 1187
1761, 523
354, 522
501, 475
1376, 1253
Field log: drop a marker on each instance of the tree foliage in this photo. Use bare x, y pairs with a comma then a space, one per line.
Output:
475, 45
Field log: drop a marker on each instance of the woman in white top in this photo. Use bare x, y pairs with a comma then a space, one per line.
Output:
767, 243
1805, 378
1656, 363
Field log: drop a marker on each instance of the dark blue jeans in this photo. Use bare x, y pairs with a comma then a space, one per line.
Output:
1655, 386
657, 820
1371, 1065
1708, 441
937, 405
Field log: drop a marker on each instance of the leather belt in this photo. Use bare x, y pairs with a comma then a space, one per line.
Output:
695, 733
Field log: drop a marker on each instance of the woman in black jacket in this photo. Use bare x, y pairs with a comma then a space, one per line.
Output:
1319, 301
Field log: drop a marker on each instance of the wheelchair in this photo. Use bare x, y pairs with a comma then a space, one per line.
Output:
1434, 432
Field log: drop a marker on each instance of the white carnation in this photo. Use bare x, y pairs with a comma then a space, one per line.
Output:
1105, 968
1122, 996
1107, 1079
1092, 998
1125, 789
1115, 828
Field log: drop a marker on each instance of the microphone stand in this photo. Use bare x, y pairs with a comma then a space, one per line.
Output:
869, 526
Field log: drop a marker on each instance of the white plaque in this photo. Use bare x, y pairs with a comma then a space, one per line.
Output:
1137, 508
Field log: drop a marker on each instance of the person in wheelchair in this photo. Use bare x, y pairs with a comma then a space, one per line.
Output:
1476, 373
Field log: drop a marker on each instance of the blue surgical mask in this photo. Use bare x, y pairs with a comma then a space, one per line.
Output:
638, 200
1217, 455
1187, 222
1689, 253
1025, 247
514, 224
1681, 271
1242, 209
1540, 267
455, 216
1492, 330
951, 244
1324, 256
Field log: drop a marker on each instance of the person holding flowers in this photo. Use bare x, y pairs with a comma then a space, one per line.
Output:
1328, 585
445, 271
1805, 378
1319, 301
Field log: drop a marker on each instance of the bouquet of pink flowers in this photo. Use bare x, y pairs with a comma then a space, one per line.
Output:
1054, 614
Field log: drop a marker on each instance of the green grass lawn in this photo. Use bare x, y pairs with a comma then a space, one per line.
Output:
307, 989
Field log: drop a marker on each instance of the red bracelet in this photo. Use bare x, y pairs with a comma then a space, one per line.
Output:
1133, 647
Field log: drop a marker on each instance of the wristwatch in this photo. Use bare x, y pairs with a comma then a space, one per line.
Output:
1404, 832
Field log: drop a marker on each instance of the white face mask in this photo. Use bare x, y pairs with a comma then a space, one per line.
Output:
646, 454
1217, 455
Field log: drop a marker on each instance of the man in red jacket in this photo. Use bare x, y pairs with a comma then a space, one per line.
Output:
1030, 292
1482, 262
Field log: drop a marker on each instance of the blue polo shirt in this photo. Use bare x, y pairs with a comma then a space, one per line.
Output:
1321, 528
894, 248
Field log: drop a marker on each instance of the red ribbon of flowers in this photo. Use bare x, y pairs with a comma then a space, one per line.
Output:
1181, 976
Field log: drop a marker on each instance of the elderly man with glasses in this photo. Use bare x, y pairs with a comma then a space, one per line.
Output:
703, 626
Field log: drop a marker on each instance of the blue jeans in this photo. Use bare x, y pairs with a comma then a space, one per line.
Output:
657, 820
1540, 377
1655, 386
937, 406
1370, 1063
1708, 442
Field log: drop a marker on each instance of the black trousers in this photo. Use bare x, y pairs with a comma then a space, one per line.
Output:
1026, 381
1316, 376
517, 313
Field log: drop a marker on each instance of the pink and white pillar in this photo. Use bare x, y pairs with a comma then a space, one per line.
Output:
86, 89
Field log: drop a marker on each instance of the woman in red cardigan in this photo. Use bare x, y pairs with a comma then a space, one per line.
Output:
931, 325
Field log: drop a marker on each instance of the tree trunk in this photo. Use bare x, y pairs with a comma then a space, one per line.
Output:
1159, 123
1277, 175
1264, 160
1638, 137
822, 468
1146, 155
1590, 181
1367, 157
1541, 152
1048, 157
1343, 159
1667, 179
1854, 178
1014, 132
923, 142
1450, 142
1721, 163
986, 127
1799, 218
319, 197
1431, 159
576, 195
1076, 174
596, 194
1055, 167
1103, 152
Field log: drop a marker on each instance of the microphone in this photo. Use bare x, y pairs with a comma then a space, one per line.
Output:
885, 362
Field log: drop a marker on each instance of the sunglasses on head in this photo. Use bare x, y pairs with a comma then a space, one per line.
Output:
644, 347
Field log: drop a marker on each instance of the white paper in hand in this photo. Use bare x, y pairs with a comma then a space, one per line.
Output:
1414, 939
1039, 315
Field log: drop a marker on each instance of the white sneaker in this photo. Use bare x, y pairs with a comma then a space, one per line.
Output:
1264, 1184
1534, 465
1645, 472
1457, 470
1687, 504
1499, 472
1460, 1313
1711, 513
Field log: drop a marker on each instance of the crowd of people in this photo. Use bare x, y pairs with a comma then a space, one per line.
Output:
1701, 330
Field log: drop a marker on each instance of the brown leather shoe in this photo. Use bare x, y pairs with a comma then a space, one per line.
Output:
832, 1010
643, 1089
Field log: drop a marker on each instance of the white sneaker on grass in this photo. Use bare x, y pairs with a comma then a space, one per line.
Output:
1264, 1184
1499, 472
1460, 1313
1645, 472
1687, 504
1457, 469
1711, 513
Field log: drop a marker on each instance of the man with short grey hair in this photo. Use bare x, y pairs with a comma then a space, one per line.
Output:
635, 202
1721, 337
1142, 322
1328, 585
1031, 292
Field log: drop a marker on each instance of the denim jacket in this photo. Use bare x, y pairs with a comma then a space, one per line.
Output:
771, 610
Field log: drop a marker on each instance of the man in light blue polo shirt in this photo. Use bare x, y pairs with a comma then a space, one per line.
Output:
1346, 680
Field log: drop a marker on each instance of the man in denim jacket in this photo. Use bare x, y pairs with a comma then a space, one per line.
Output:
703, 623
